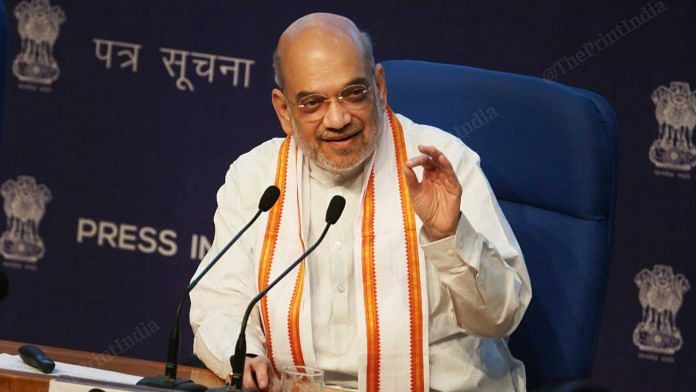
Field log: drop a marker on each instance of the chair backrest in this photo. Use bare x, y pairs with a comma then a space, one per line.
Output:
550, 154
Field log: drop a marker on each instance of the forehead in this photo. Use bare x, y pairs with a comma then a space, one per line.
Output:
320, 61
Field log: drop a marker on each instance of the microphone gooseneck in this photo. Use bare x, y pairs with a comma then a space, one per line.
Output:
237, 361
169, 380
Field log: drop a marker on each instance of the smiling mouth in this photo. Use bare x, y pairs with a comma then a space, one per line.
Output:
341, 138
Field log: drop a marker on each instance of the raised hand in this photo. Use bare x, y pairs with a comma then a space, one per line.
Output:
437, 197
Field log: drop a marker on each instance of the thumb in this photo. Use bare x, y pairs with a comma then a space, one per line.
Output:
411, 179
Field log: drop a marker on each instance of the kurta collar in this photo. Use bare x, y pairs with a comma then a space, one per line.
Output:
327, 178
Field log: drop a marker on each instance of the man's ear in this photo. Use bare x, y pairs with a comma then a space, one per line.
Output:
381, 82
282, 109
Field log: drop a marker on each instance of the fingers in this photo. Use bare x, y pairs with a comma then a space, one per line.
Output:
437, 158
432, 159
428, 161
257, 373
249, 380
410, 176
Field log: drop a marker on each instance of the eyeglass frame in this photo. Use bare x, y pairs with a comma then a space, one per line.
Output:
326, 100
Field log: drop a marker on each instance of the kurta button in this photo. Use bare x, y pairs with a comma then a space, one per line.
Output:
338, 245
341, 288
451, 252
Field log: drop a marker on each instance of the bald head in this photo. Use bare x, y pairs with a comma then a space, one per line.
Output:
317, 37
320, 60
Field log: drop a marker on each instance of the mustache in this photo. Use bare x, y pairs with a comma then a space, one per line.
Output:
333, 133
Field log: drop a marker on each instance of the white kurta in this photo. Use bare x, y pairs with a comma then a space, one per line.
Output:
478, 286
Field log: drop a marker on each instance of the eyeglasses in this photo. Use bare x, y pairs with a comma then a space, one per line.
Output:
314, 106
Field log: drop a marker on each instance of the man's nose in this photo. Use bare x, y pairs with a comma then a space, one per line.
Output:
336, 116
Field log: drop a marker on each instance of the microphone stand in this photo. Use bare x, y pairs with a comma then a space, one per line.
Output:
169, 380
238, 360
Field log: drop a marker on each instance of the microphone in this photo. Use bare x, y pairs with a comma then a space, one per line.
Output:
336, 206
333, 212
169, 380
36, 358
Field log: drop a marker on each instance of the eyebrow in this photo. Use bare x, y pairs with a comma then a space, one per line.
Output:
358, 80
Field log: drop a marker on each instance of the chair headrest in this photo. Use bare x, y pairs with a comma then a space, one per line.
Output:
535, 137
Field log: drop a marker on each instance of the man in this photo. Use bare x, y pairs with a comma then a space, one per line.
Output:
418, 283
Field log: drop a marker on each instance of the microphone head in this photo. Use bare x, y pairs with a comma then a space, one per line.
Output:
335, 209
269, 198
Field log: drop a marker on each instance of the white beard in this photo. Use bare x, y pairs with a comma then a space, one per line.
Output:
321, 160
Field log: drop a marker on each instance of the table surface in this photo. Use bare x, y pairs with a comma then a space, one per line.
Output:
138, 367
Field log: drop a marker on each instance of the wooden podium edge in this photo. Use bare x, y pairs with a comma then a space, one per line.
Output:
21, 381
